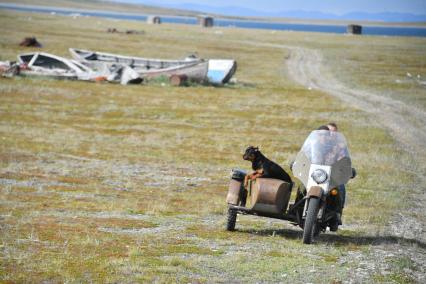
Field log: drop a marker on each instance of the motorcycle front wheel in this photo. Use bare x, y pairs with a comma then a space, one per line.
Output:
310, 226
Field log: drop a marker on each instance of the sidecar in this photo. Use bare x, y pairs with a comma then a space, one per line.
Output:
322, 165
264, 197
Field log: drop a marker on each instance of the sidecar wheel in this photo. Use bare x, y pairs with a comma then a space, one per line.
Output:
231, 220
310, 227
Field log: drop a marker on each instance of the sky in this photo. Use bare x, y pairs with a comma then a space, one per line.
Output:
338, 7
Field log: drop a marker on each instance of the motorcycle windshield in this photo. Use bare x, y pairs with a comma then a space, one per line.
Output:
323, 147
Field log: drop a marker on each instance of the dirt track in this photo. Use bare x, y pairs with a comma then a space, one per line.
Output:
404, 236
407, 124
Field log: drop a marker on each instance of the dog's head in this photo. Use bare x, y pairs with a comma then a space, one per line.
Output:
251, 153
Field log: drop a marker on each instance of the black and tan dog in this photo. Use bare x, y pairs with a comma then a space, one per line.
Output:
263, 167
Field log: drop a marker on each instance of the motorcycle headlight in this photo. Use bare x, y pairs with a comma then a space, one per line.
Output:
319, 176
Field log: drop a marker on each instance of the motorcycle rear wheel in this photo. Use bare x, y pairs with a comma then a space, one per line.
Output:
310, 228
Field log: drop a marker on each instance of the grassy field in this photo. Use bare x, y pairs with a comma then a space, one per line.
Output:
110, 183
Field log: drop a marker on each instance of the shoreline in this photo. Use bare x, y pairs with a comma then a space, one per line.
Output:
193, 14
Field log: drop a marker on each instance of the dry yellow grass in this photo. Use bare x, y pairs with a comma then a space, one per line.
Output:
110, 183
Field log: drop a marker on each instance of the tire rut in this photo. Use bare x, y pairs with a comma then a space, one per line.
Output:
308, 67
407, 125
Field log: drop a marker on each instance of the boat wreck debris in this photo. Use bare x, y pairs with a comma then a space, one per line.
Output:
213, 71
49, 65
99, 66
8, 69
125, 75
127, 32
194, 68
43, 64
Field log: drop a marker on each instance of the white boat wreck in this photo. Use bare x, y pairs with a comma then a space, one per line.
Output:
8, 69
52, 66
214, 71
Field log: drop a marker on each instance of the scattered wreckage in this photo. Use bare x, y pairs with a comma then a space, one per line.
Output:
213, 71
98, 66
49, 65
41, 64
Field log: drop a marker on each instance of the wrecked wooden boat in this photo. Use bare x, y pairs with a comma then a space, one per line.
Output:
49, 65
135, 62
41, 64
195, 69
215, 71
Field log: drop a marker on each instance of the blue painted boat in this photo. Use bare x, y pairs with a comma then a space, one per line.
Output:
221, 70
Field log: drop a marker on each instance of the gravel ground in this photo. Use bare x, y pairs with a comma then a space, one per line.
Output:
307, 67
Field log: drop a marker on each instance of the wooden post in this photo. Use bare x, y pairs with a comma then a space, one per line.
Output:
178, 79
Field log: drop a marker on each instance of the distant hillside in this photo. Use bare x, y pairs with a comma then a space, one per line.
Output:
298, 14
234, 12
104, 5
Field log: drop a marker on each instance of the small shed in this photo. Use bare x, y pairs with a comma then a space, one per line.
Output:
354, 29
205, 21
153, 20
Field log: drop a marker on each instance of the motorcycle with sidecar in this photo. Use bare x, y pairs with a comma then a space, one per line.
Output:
322, 166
